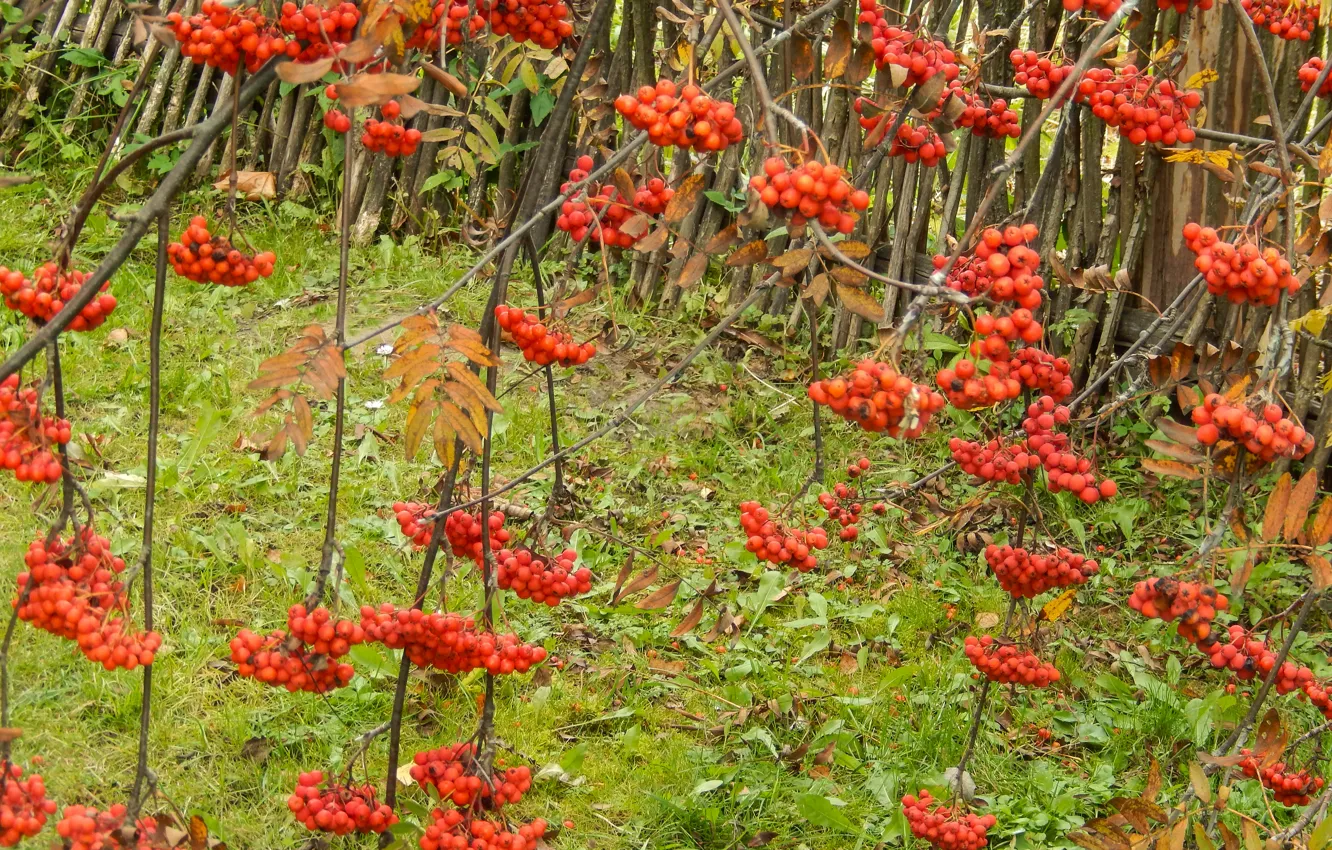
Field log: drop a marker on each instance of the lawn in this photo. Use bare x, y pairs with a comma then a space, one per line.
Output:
839, 691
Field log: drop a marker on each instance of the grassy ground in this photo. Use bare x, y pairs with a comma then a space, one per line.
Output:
842, 689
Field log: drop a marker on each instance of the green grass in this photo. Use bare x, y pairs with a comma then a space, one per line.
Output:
809, 723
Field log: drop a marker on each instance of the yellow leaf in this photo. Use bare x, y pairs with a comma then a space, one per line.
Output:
471, 437
445, 441
1165, 51
418, 419
1185, 155
464, 376
1221, 157
1198, 778
1202, 78
1057, 607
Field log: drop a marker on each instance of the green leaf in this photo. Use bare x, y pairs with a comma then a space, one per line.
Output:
820, 811
541, 105
371, 661
353, 564
1321, 834
84, 57
572, 761
770, 584
816, 644
708, 785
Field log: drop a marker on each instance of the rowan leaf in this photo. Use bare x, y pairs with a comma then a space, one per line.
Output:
802, 57
653, 241
644, 579
375, 89
1271, 740
624, 184
1057, 607
304, 72
1321, 530
659, 598
852, 249
839, 50
692, 271
690, 620
446, 440
407, 362
418, 420
625, 571
1171, 468
1320, 570
274, 379
685, 199
467, 432
793, 260
1175, 450
860, 302
199, 829
1301, 500
748, 254
723, 240
861, 65
1275, 514
1198, 779
300, 409
463, 375
1179, 432
465, 398
299, 440
455, 86
277, 446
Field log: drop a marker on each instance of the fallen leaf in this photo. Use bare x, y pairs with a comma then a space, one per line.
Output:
251, 185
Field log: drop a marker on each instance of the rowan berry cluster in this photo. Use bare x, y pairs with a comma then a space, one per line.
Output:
777, 544
1243, 272
812, 191
336, 808
26, 436
920, 56
1193, 604
684, 118
539, 344
1290, 788
337, 121
1025, 575
543, 580
1143, 108
1309, 72
876, 397
1248, 657
452, 830
455, 14
463, 531
85, 828
1182, 6
1003, 267
70, 589
1042, 371
388, 136
227, 37
602, 213
304, 658
843, 510
967, 389
1103, 8
204, 258
453, 771
942, 827
1289, 19
47, 293
412, 522
994, 119
1064, 469
995, 460
914, 141
1040, 75
542, 22
448, 642
1266, 433
323, 30
1007, 663
23, 806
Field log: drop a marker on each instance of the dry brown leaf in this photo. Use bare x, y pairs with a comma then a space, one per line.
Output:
1301, 500
1175, 450
659, 598
1320, 570
793, 260
653, 241
802, 57
690, 620
251, 185
860, 302
644, 579
1171, 468
692, 271
304, 72
861, 65
816, 290
1183, 434
462, 424
376, 89
839, 50
723, 240
1275, 514
455, 86
1271, 740
446, 441
624, 184
748, 254
418, 421
625, 571
1321, 530
685, 199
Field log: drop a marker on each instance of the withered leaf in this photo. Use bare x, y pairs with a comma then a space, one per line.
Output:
1320, 570
860, 302
1321, 530
455, 86
653, 241
376, 89
625, 572
251, 185
839, 50
685, 199
1275, 514
446, 441
304, 72
1175, 450
802, 57
659, 598
793, 260
418, 420
1297, 509
723, 240
748, 254
690, 620
644, 579
467, 432
1179, 432
1171, 468
624, 184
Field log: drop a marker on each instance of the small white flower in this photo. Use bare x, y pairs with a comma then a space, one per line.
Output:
374, 404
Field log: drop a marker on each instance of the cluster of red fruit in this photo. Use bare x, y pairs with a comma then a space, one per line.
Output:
1182, 6
336, 808
1007, 664
1249, 657
843, 510
813, 191
452, 770
778, 544
1041, 75
1064, 469
1289, 19
1193, 604
1104, 8
1025, 575
412, 522
1290, 788
1267, 434
942, 827
878, 398
47, 293
914, 142
542, 22
455, 14
602, 213
920, 56
1309, 72
322, 29
26, 436
539, 344
448, 642
686, 119
70, 589
993, 120
303, 659
543, 580
1003, 267
1242, 273
452, 830
463, 531
1042, 371
203, 258
387, 136
1143, 108
995, 460
226, 37
967, 389
85, 828
23, 806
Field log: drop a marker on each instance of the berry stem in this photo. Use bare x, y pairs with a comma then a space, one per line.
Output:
150, 498
979, 710
557, 489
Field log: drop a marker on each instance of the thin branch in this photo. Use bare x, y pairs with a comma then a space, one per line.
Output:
757, 75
